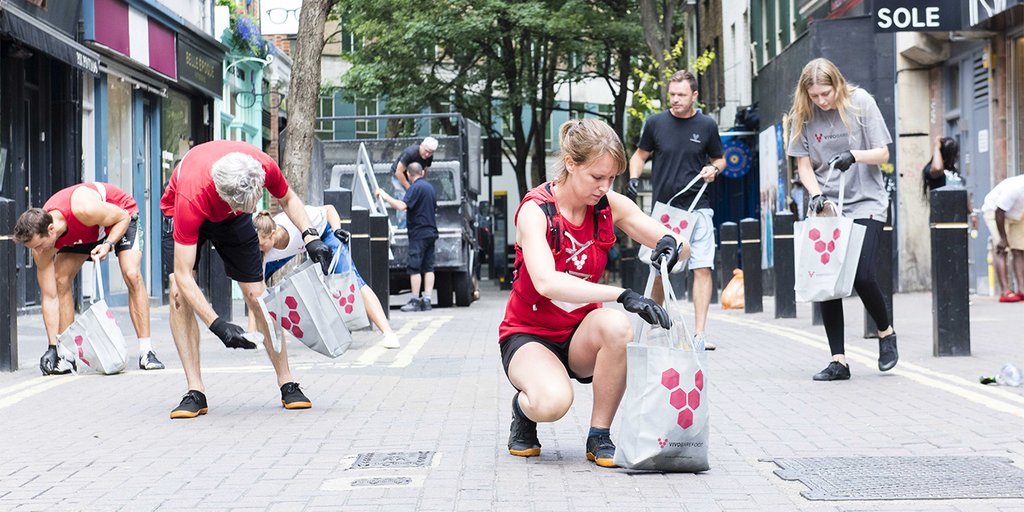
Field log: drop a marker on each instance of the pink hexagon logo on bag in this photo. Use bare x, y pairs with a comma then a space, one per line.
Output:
290, 321
79, 340
346, 302
684, 399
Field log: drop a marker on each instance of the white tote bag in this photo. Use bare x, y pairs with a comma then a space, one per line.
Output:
302, 306
678, 220
344, 288
827, 252
94, 340
664, 417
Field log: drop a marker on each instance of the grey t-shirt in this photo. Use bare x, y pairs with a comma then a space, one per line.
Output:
825, 136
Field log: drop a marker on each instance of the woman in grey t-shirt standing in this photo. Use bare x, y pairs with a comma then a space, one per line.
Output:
834, 122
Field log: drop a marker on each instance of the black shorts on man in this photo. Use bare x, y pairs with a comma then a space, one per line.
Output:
132, 240
234, 239
421, 255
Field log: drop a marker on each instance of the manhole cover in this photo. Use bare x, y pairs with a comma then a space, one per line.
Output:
903, 478
382, 481
372, 460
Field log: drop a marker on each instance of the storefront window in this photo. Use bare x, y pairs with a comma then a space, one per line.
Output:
175, 131
119, 151
1017, 127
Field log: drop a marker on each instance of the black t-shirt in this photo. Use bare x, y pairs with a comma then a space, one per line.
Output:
932, 182
680, 149
409, 155
422, 203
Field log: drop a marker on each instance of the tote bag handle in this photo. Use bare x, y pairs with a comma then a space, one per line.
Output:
688, 186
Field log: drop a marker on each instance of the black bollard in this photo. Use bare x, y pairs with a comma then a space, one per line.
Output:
884, 273
8, 299
716, 282
341, 199
816, 314
750, 245
729, 234
361, 256
951, 331
785, 267
379, 246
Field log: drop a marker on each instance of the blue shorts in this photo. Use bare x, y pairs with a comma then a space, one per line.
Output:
344, 261
702, 242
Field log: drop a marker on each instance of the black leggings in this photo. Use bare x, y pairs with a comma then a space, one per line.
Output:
866, 284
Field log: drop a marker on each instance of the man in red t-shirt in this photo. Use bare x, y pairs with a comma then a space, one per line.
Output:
209, 197
78, 223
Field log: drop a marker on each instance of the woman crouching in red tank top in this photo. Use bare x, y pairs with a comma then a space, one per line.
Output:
555, 328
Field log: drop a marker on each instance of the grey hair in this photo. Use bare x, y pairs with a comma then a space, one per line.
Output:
239, 180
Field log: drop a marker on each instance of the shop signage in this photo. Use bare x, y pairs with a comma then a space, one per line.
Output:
199, 69
917, 15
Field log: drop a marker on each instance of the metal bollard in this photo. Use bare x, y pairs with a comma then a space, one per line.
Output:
750, 245
361, 256
379, 248
951, 330
8, 299
785, 267
884, 267
729, 245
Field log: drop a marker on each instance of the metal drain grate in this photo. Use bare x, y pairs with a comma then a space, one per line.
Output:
382, 481
903, 478
382, 460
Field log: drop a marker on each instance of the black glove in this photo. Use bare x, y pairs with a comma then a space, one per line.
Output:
631, 188
320, 253
817, 203
649, 310
843, 161
342, 235
667, 248
48, 363
231, 334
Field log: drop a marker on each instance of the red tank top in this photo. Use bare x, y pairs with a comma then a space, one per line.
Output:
580, 251
78, 233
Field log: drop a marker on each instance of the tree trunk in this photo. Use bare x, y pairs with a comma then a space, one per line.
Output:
304, 94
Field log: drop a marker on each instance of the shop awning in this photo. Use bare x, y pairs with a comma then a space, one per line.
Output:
41, 36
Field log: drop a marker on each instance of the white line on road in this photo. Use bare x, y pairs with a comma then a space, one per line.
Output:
373, 353
404, 357
18, 392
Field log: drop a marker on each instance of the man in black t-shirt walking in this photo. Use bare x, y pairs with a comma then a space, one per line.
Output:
420, 205
422, 153
684, 144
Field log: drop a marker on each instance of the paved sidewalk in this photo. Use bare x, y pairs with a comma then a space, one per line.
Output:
106, 443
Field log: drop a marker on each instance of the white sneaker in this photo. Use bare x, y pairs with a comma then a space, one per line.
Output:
700, 342
390, 341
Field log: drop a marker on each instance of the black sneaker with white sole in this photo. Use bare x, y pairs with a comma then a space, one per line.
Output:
192, 404
149, 362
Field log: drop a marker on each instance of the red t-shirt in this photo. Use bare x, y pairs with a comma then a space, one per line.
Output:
579, 253
77, 232
191, 197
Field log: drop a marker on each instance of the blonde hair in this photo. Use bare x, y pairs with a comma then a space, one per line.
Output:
264, 224
239, 180
819, 72
586, 140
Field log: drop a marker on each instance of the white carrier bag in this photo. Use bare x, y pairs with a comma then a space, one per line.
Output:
94, 341
678, 220
827, 252
664, 417
344, 288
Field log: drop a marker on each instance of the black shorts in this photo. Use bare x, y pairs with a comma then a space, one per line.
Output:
511, 344
235, 241
132, 240
421, 255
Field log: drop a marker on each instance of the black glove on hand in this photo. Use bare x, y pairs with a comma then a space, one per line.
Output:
631, 188
843, 161
48, 363
320, 253
817, 203
231, 335
342, 235
649, 310
667, 248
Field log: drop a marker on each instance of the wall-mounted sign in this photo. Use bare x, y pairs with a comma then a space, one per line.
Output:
917, 15
199, 69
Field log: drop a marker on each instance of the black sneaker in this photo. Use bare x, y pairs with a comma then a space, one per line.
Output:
150, 362
425, 304
887, 353
192, 404
834, 371
522, 437
601, 451
412, 305
292, 397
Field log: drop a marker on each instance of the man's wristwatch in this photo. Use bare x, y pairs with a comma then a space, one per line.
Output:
310, 232
111, 244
